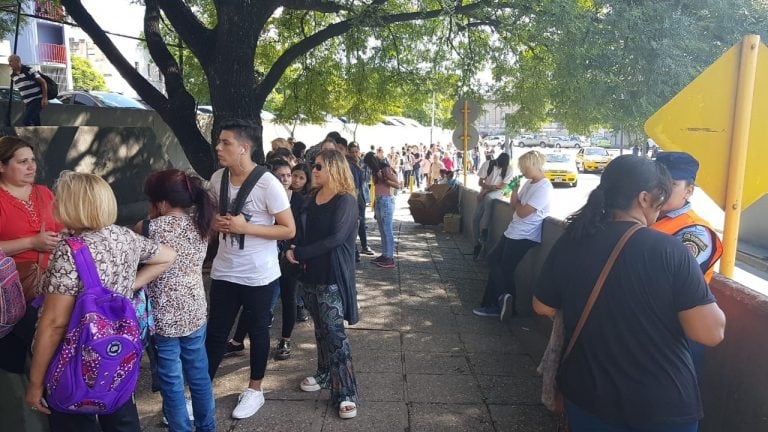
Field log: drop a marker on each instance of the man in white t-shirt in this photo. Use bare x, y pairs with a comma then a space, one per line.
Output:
531, 206
245, 271
494, 177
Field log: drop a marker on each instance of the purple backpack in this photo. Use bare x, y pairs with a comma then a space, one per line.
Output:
96, 366
12, 304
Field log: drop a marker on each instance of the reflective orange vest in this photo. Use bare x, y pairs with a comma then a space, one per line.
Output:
673, 225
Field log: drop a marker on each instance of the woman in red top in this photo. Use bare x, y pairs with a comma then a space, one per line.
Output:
28, 233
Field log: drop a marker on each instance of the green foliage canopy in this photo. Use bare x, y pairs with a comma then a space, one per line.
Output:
85, 77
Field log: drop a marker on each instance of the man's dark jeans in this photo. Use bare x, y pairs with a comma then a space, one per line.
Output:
32, 112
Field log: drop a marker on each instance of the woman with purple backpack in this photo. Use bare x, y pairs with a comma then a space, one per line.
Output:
87, 207
181, 216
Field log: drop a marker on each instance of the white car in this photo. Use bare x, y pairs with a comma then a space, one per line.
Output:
569, 142
495, 140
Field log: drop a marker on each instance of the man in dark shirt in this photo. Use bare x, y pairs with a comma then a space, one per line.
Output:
33, 90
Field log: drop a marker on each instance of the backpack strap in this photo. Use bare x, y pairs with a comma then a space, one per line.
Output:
241, 197
86, 268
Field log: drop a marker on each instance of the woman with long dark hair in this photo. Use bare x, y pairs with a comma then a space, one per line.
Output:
494, 175
385, 181
181, 216
630, 368
325, 249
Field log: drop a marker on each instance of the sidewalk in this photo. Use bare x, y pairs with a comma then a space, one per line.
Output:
423, 361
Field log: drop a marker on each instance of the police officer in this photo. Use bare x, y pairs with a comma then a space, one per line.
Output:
679, 220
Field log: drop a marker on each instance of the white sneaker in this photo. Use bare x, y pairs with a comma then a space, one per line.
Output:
248, 403
189, 410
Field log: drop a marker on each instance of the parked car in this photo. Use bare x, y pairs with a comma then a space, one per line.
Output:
536, 140
568, 142
592, 159
560, 168
99, 99
495, 140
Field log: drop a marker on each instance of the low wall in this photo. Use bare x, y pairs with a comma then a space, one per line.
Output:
735, 376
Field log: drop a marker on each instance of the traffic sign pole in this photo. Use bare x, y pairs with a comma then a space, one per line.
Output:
465, 137
739, 145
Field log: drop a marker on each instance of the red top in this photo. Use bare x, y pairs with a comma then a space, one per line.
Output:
18, 221
448, 163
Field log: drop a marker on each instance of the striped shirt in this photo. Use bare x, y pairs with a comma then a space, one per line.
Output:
28, 86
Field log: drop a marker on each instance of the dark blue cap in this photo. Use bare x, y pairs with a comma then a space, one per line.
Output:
681, 165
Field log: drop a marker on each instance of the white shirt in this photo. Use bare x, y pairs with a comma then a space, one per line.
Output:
256, 264
537, 195
495, 178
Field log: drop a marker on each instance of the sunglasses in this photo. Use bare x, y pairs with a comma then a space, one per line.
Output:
317, 167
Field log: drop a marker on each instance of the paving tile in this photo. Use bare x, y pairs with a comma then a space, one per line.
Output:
451, 389
275, 416
503, 364
436, 363
510, 389
431, 342
522, 418
383, 340
371, 417
380, 387
377, 361
450, 418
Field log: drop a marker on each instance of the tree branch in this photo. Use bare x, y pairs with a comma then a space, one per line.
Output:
193, 32
315, 6
337, 29
146, 90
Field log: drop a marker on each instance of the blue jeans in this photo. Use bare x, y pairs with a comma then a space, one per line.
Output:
384, 206
582, 421
185, 354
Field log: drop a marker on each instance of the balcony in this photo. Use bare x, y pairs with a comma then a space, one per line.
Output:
51, 53
47, 9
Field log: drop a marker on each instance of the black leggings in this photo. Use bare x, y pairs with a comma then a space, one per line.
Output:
225, 300
125, 419
288, 299
502, 262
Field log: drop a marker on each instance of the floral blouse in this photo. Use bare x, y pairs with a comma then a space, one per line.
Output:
117, 252
178, 296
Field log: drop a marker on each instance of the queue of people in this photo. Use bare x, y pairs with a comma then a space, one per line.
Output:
266, 250
59, 238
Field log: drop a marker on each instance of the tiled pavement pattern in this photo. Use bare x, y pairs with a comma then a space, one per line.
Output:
423, 361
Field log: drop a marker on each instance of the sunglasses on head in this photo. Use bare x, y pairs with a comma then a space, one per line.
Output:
317, 167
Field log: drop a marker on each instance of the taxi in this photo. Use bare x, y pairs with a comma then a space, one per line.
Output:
560, 168
592, 159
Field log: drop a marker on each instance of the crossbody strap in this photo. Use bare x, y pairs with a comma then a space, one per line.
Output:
84, 264
598, 287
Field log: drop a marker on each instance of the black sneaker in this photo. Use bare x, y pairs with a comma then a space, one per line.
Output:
367, 251
283, 351
233, 348
476, 251
301, 314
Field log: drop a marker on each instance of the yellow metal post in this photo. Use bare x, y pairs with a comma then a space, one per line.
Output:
410, 183
373, 193
465, 137
737, 163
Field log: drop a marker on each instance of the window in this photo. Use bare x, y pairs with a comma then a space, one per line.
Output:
84, 100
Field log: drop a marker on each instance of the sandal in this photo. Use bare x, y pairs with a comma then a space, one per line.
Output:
310, 384
347, 410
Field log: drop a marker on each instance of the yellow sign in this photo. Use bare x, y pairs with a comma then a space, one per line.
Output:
699, 120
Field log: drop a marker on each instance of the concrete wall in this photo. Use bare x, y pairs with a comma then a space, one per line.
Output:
735, 378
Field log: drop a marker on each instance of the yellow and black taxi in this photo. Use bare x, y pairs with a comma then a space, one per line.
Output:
592, 159
560, 168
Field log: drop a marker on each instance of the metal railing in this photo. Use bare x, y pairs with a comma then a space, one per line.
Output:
51, 53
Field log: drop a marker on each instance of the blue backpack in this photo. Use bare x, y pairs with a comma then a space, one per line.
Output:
96, 366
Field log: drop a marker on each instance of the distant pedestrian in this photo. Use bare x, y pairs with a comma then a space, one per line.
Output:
32, 87
636, 150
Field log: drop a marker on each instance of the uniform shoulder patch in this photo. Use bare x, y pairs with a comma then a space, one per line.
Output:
694, 244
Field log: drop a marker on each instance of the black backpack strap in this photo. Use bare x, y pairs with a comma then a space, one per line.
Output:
242, 194
145, 228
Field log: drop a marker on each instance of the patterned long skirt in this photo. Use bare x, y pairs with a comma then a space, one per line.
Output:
334, 355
